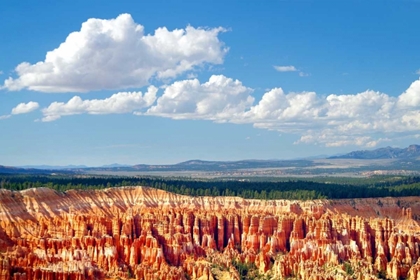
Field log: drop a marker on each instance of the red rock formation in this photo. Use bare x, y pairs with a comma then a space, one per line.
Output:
145, 233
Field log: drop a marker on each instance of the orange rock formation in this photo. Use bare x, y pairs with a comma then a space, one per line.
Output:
143, 233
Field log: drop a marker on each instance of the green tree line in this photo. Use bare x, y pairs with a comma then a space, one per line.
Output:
302, 189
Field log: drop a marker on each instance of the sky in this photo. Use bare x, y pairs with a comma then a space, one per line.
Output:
160, 82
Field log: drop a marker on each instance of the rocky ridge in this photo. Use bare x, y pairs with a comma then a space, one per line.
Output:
144, 233
411, 152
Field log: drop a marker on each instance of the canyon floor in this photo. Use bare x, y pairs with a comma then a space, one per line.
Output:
144, 233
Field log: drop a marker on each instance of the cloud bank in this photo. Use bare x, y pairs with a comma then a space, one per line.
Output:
362, 119
117, 54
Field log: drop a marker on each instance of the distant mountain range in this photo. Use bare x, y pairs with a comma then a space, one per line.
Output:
191, 165
201, 165
53, 167
19, 170
66, 167
411, 152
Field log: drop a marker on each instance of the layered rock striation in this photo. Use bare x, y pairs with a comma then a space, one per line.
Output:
144, 233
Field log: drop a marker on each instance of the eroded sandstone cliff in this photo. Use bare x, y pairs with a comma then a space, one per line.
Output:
143, 233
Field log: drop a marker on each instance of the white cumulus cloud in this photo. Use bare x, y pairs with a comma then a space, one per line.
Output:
219, 99
117, 54
24, 108
118, 103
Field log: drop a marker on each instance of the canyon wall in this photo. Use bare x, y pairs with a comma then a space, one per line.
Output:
144, 233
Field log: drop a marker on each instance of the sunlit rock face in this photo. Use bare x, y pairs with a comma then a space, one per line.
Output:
143, 233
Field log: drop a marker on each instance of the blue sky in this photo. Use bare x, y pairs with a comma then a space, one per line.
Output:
94, 83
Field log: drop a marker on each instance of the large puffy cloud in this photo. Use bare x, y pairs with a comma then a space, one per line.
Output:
219, 99
119, 103
116, 54
24, 108
280, 107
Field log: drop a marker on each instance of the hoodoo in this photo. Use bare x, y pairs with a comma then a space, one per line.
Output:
144, 233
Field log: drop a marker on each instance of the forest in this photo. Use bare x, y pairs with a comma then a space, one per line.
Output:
274, 188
